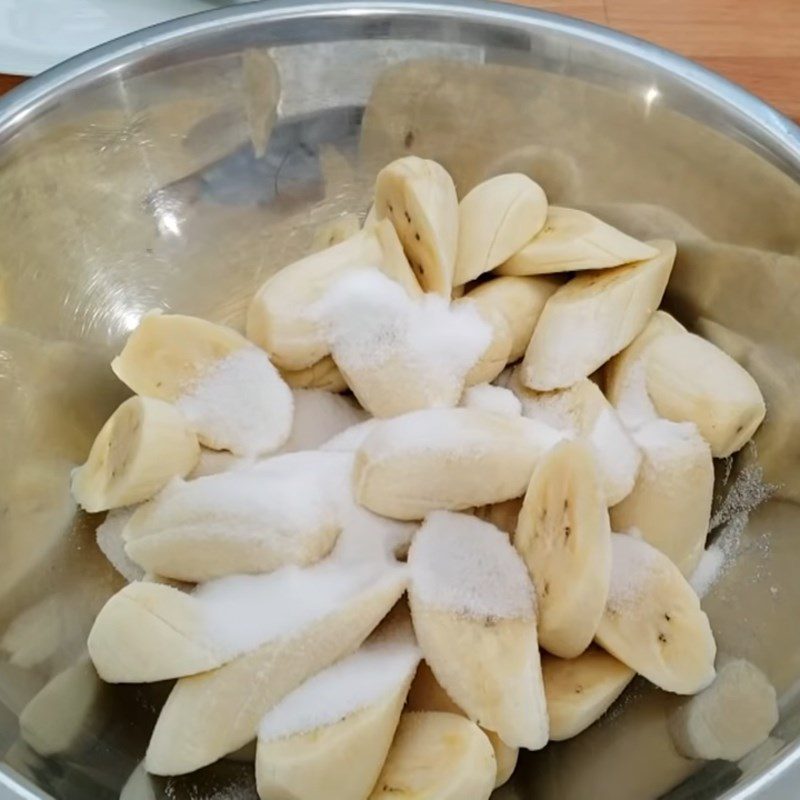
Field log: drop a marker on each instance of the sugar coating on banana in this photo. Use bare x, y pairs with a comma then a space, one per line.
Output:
592, 317
447, 458
350, 439
653, 621
142, 446
318, 417
419, 198
473, 608
496, 219
438, 755
572, 241
495, 399
564, 538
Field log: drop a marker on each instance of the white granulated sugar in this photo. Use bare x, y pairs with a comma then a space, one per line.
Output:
708, 570
616, 453
379, 669
633, 562
366, 535
492, 398
556, 409
241, 404
112, 544
462, 564
748, 491
351, 439
213, 462
319, 416
665, 443
386, 342
634, 405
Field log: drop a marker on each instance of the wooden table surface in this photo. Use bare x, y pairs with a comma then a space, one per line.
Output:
753, 42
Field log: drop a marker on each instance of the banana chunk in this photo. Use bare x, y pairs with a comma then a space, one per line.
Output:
691, 380
728, 719
473, 608
564, 538
278, 319
323, 375
419, 198
335, 232
439, 756
670, 505
496, 219
495, 399
592, 317
447, 458
653, 621
209, 715
572, 241
143, 445
580, 690
288, 509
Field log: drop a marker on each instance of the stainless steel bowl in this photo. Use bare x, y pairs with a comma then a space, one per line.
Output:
179, 166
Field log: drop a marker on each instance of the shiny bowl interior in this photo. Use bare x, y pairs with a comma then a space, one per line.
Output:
178, 167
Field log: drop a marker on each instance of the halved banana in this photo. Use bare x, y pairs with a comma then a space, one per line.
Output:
279, 318
495, 399
520, 301
670, 505
592, 317
691, 380
419, 198
330, 737
564, 538
728, 719
427, 694
573, 240
653, 621
473, 608
144, 444
447, 458
439, 756
288, 509
580, 690
625, 376
496, 219
323, 375
335, 231
217, 712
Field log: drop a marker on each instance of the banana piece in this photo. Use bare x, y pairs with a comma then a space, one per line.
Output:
419, 198
335, 231
564, 538
583, 411
476, 629
278, 319
728, 719
288, 509
324, 375
496, 219
502, 515
520, 301
112, 544
426, 694
580, 690
691, 380
625, 376
318, 417
496, 399
670, 505
330, 737
439, 756
143, 445
653, 621
497, 353
572, 241
217, 712
592, 317
447, 458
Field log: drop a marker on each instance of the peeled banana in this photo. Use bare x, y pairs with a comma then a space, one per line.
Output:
473, 608
495, 399
419, 198
437, 755
564, 538
323, 375
496, 219
335, 232
571, 241
592, 317
447, 458
670, 505
653, 622
143, 445
580, 690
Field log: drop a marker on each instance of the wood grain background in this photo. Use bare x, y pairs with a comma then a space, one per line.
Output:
755, 43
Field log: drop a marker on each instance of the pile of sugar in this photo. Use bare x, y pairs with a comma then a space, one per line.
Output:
462, 564
492, 398
665, 443
380, 668
241, 404
708, 570
351, 439
633, 565
381, 337
112, 544
319, 416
